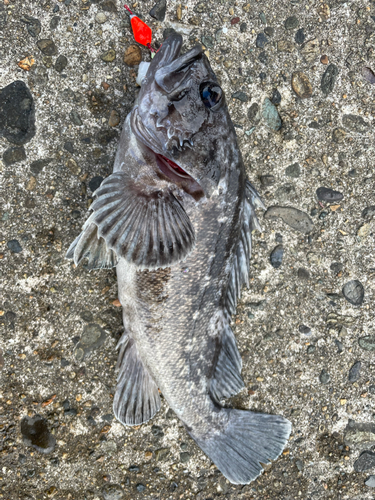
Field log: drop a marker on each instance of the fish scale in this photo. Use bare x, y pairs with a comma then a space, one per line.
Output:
176, 221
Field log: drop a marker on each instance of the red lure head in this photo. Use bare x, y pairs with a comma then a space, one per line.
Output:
142, 33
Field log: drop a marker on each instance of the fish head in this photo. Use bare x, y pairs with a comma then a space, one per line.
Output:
182, 116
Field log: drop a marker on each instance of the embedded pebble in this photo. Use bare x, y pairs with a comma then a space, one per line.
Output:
293, 170
276, 97
354, 372
93, 185
75, 118
179, 12
267, 180
355, 123
253, 113
241, 96
328, 194
185, 456
112, 492
291, 23
14, 246
301, 85
324, 377
14, 155
359, 433
262, 17
367, 342
108, 6
261, 40
364, 230
295, 218
61, 63
354, 292
263, 58
35, 433
310, 50
109, 55
73, 166
161, 454
159, 10
368, 75
285, 46
33, 25
47, 46
370, 482
271, 115
208, 41
93, 337
31, 184
329, 79
54, 22
368, 212
300, 36
324, 11
17, 113
305, 330
114, 118
300, 465
365, 461
133, 55
303, 274
276, 256
100, 18
338, 135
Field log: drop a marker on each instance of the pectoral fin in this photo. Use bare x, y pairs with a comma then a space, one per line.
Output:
89, 245
144, 225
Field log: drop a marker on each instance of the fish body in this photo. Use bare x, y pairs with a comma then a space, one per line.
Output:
175, 218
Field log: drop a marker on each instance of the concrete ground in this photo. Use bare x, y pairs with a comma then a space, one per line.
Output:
299, 80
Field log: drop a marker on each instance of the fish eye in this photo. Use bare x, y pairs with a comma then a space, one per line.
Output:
211, 95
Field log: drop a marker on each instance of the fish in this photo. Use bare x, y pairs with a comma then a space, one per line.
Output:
176, 218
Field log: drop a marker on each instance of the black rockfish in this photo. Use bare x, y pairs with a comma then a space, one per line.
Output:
175, 218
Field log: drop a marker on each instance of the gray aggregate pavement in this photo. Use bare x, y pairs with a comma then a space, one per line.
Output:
299, 78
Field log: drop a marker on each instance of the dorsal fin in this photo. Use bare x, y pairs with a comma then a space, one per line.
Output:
241, 261
227, 379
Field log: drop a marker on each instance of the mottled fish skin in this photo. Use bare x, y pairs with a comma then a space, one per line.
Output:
176, 218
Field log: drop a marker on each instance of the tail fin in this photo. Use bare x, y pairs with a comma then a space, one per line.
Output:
247, 440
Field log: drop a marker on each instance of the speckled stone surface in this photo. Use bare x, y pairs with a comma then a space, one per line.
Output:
59, 325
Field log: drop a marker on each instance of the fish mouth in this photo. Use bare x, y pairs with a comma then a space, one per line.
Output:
170, 169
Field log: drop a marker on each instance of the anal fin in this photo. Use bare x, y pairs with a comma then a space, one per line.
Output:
227, 379
137, 397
